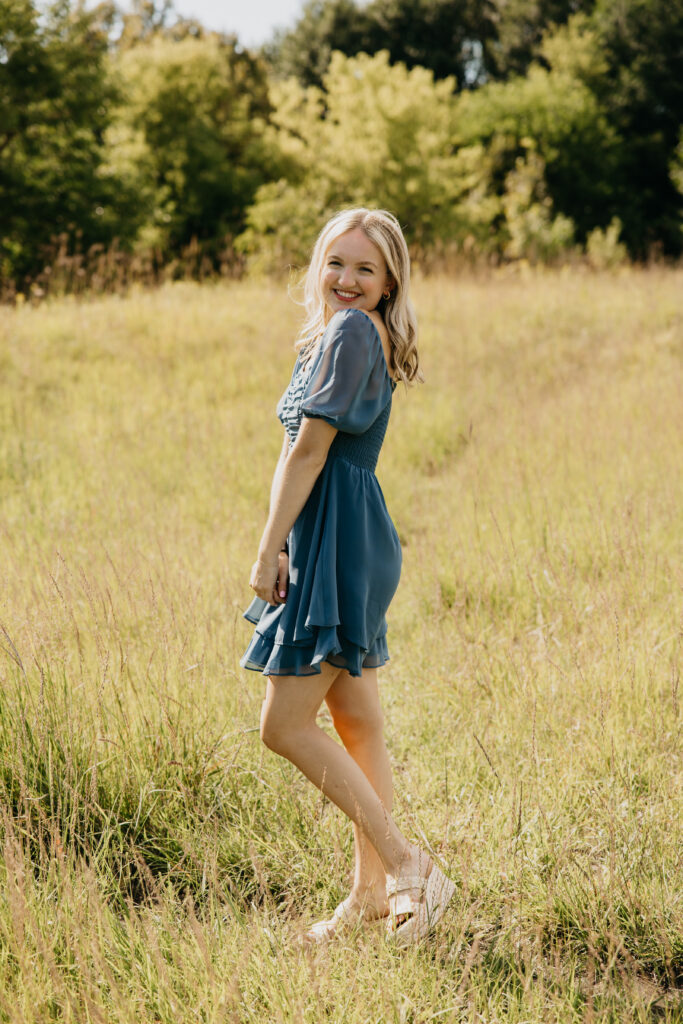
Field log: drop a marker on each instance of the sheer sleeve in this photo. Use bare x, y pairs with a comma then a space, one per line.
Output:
349, 384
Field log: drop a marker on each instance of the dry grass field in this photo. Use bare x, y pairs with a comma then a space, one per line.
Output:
158, 863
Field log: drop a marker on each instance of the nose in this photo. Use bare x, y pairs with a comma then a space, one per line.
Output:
346, 276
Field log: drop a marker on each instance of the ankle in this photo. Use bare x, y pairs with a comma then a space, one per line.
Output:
413, 861
371, 892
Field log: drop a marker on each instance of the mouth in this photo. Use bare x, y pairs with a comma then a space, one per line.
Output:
345, 296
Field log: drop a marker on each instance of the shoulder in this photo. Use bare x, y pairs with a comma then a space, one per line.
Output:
365, 331
368, 325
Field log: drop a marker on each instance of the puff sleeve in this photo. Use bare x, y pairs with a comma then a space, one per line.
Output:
349, 384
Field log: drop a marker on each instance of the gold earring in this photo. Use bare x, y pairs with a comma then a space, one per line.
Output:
386, 293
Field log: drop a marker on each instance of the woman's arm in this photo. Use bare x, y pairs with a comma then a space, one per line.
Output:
284, 452
281, 587
295, 474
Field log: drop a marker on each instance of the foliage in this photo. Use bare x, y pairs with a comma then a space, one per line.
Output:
608, 72
520, 28
380, 135
441, 35
446, 36
488, 127
534, 233
145, 20
55, 102
305, 51
189, 132
603, 248
467, 40
555, 112
642, 95
676, 168
478, 184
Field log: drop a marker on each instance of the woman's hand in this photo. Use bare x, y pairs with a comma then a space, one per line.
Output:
282, 581
270, 581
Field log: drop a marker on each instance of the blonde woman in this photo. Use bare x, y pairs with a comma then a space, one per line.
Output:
329, 562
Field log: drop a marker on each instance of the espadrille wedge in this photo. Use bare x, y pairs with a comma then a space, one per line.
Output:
416, 905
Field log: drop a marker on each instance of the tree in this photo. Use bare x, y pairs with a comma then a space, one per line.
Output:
55, 102
378, 134
305, 51
641, 92
472, 40
520, 27
556, 114
145, 20
447, 36
191, 128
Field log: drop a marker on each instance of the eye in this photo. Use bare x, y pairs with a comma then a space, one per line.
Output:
367, 270
333, 262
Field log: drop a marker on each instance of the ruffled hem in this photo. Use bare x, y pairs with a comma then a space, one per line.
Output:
272, 658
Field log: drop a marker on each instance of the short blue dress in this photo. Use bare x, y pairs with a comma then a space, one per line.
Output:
344, 553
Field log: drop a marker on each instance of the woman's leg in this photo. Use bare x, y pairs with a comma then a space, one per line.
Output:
357, 715
288, 727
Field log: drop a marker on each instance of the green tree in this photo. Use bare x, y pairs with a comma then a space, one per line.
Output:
520, 27
557, 114
304, 52
55, 102
533, 230
472, 40
447, 36
441, 35
191, 129
379, 134
147, 19
641, 92
677, 165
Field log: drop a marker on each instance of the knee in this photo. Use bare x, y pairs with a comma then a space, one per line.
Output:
275, 732
355, 728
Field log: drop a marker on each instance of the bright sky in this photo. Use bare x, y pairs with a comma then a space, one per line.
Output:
252, 20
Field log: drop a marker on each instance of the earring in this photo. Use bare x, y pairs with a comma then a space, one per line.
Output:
386, 293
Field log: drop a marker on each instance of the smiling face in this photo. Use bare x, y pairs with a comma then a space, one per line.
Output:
354, 273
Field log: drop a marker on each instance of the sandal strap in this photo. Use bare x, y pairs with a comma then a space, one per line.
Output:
404, 905
406, 883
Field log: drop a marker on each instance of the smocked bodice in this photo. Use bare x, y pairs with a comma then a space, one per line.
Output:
360, 449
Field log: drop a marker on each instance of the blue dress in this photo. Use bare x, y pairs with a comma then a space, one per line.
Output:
344, 553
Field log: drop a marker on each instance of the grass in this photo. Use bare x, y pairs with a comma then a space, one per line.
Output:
158, 862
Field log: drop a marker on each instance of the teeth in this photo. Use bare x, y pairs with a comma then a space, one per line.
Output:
346, 295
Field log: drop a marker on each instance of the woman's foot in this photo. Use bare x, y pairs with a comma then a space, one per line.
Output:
418, 896
369, 907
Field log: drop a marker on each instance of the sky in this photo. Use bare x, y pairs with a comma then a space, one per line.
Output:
252, 20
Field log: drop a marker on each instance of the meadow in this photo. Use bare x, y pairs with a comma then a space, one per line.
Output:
158, 863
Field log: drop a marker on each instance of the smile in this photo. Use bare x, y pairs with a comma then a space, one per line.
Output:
345, 295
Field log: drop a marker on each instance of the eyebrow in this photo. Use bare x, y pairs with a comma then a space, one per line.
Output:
359, 263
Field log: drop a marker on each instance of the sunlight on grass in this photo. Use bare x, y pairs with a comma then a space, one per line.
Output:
158, 863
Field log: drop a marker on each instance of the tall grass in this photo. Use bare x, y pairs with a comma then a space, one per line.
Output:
158, 862
69, 270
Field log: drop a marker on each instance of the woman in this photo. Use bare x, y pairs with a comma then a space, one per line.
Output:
329, 562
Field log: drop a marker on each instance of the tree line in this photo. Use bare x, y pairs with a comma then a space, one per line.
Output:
501, 128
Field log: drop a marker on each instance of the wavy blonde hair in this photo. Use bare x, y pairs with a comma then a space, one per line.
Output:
397, 311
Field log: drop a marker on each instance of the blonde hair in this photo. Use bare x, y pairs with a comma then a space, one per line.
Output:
397, 311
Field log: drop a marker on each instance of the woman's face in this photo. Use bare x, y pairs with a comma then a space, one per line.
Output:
354, 273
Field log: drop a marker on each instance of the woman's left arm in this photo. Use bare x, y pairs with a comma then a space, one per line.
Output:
291, 489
